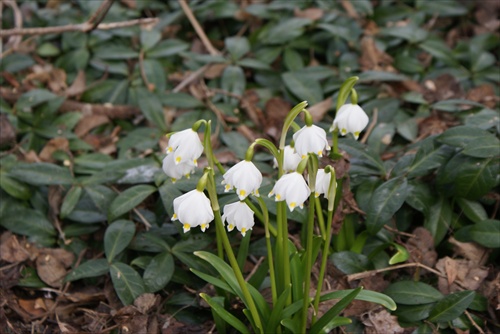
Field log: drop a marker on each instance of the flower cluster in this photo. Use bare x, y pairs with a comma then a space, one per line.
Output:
184, 149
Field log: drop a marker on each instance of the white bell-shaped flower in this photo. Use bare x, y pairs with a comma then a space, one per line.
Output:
193, 209
322, 182
238, 215
310, 139
291, 160
186, 146
291, 188
177, 171
350, 118
245, 177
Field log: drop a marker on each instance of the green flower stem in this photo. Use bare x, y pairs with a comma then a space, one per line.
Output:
269, 249
208, 175
335, 141
345, 90
324, 258
230, 255
285, 253
260, 214
309, 263
321, 219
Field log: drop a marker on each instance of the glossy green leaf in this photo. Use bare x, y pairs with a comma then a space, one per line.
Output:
127, 282
151, 107
440, 50
413, 293
159, 272
228, 317
410, 32
168, 47
442, 7
253, 63
117, 237
168, 192
284, 31
473, 210
233, 80
364, 295
149, 242
430, 155
181, 100
487, 233
27, 222
33, 98
303, 88
325, 323
462, 136
129, 199
414, 313
149, 38
386, 200
41, 173
14, 188
400, 256
237, 46
350, 263
451, 306
155, 74
72, 197
485, 147
90, 268
438, 219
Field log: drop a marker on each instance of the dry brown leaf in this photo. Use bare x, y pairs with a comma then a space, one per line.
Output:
53, 145
78, 86
214, 71
275, 112
50, 270
11, 250
381, 322
319, 110
30, 306
309, 13
465, 275
7, 131
89, 122
249, 103
470, 250
421, 248
145, 302
349, 8
451, 269
484, 94
372, 58
444, 87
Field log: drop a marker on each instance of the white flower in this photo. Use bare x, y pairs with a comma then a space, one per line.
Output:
245, 177
322, 182
186, 146
310, 139
177, 171
240, 215
293, 188
193, 209
350, 118
291, 160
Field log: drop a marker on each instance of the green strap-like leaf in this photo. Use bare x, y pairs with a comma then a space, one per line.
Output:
364, 295
228, 317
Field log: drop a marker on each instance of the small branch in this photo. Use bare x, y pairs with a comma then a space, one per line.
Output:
370, 273
76, 27
99, 14
197, 27
149, 86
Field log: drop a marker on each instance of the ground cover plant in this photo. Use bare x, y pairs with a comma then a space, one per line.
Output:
100, 229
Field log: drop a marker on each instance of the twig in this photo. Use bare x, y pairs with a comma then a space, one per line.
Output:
371, 126
467, 314
14, 41
369, 273
197, 27
396, 231
99, 14
144, 77
83, 27
254, 269
190, 78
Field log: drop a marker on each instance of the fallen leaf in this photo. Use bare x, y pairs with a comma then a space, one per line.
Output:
372, 58
11, 250
88, 122
381, 321
309, 13
78, 86
484, 94
53, 145
7, 131
276, 111
421, 248
465, 275
319, 110
470, 250
29, 306
145, 302
50, 270
214, 71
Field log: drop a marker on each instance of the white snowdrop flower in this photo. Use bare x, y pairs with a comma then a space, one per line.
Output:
310, 139
238, 215
322, 182
291, 188
350, 118
193, 209
186, 146
177, 171
291, 160
245, 177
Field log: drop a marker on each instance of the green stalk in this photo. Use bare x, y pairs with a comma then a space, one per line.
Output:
230, 255
345, 90
285, 252
309, 248
269, 249
321, 219
260, 215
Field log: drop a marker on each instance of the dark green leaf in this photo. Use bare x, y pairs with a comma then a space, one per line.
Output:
284, 31
305, 89
149, 38
451, 306
149, 242
410, 32
127, 282
181, 100
364, 295
26, 221
486, 147
462, 136
438, 220
129, 199
159, 272
381, 76
151, 107
90, 268
228, 317
14, 188
233, 80
413, 293
429, 156
442, 7
350, 263
33, 98
472, 209
487, 233
167, 48
155, 74
440, 50
253, 63
386, 200
414, 313
237, 46
168, 192
117, 237
42, 173
115, 52
72, 197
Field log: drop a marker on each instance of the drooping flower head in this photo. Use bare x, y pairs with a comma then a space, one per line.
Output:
238, 215
186, 146
177, 171
291, 160
322, 182
350, 118
291, 188
245, 177
310, 139
193, 209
